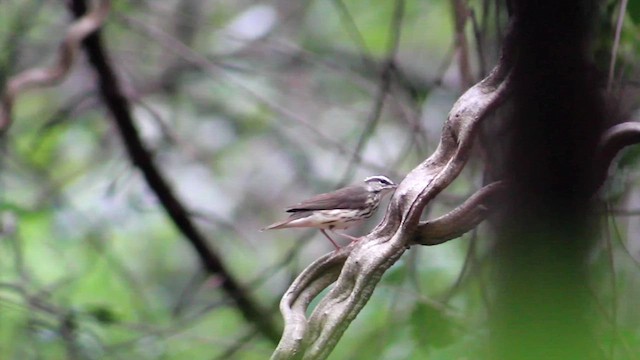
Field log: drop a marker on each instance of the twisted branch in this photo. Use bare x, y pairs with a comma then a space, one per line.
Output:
359, 266
67, 53
315, 278
460, 220
612, 142
364, 262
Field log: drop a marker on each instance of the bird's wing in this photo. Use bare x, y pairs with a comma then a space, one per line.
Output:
350, 197
283, 224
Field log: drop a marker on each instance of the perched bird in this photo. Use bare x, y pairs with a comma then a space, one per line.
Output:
338, 209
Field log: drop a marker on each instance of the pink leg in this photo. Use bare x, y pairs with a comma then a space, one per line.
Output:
330, 239
347, 236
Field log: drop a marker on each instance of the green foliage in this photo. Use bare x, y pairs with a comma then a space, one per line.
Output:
633, 9
91, 266
431, 327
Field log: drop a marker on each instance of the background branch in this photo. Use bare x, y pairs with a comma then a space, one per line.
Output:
614, 140
40, 77
243, 106
119, 107
460, 220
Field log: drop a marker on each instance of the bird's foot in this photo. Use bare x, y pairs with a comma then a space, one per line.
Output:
347, 236
330, 239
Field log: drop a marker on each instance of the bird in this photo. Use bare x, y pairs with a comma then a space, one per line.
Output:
338, 209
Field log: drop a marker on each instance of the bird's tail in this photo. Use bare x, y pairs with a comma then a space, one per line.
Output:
279, 225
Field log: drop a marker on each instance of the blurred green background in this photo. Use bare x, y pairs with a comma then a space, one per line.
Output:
247, 107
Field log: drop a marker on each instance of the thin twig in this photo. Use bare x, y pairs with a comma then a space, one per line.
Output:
461, 13
215, 70
614, 282
119, 107
616, 44
40, 77
383, 88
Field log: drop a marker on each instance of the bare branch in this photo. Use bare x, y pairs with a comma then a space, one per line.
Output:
315, 278
461, 13
119, 107
612, 142
383, 88
364, 262
369, 258
460, 220
215, 70
616, 44
41, 77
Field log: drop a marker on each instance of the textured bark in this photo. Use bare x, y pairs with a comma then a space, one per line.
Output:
357, 268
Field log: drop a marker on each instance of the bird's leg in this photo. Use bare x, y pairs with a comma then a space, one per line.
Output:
330, 239
347, 236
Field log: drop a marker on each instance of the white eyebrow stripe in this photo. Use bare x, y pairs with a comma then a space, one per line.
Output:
380, 178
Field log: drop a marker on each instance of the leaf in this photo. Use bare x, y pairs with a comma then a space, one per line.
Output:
104, 314
431, 327
633, 9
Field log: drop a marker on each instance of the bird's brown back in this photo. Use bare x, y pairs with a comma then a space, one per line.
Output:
350, 197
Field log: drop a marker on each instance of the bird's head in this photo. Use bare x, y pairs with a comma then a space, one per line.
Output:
379, 184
